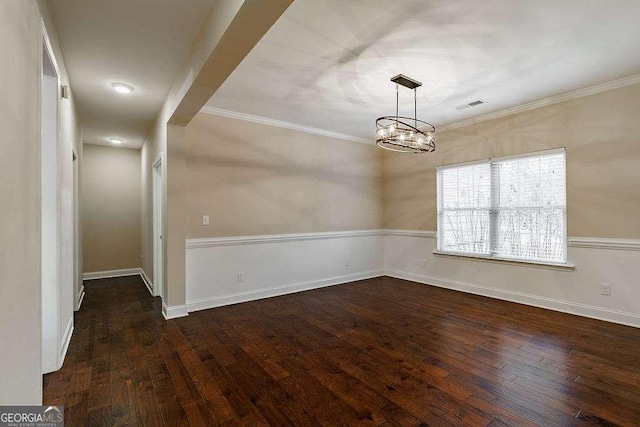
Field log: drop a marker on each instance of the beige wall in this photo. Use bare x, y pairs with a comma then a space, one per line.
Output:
19, 216
111, 203
257, 179
20, 288
228, 33
601, 134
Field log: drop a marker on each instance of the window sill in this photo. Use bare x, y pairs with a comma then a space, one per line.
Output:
521, 263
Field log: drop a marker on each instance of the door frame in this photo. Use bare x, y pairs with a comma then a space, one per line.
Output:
78, 286
50, 309
157, 224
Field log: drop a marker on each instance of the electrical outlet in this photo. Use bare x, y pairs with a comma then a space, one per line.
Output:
424, 263
240, 277
205, 219
605, 289
346, 262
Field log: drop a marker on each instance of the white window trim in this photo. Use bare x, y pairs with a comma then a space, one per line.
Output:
501, 158
514, 261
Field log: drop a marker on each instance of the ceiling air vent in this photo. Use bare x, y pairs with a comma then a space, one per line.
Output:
471, 104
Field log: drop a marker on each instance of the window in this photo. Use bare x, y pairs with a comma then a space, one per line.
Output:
511, 208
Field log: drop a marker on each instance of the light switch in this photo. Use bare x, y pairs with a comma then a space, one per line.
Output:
205, 219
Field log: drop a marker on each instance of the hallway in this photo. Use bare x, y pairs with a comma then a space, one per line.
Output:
406, 354
106, 378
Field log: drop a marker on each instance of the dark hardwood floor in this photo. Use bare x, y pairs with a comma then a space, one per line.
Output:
380, 351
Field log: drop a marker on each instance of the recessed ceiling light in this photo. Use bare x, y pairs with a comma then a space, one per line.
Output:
116, 140
122, 88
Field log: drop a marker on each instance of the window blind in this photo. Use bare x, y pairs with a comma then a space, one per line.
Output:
509, 208
464, 208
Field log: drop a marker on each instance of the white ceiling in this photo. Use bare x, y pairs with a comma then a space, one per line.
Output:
327, 63
139, 42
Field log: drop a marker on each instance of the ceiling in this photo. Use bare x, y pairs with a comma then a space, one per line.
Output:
138, 42
326, 64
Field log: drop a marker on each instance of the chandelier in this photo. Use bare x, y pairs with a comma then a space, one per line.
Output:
405, 134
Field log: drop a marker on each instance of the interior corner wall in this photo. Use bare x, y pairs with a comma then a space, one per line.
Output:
600, 134
288, 211
111, 203
155, 143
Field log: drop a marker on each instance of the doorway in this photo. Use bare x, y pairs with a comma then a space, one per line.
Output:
50, 213
78, 288
158, 228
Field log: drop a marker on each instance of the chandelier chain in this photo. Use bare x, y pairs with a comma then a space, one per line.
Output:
397, 99
415, 107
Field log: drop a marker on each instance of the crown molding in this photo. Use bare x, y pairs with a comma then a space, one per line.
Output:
282, 124
592, 90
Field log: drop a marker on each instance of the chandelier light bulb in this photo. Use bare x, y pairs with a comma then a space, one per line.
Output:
381, 132
392, 128
402, 137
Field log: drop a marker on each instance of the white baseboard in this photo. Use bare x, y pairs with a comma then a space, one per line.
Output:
80, 297
207, 303
174, 311
111, 273
147, 282
66, 339
119, 273
600, 313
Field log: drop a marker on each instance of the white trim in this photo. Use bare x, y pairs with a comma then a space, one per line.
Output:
282, 124
276, 238
66, 339
207, 303
605, 243
80, 297
463, 164
592, 90
410, 233
576, 242
174, 311
158, 226
118, 273
517, 262
600, 313
548, 152
111, 273
148, 283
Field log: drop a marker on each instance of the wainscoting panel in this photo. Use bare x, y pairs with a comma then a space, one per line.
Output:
230, 270
576, 291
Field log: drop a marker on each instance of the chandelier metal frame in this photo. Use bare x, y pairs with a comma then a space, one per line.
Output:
405, 134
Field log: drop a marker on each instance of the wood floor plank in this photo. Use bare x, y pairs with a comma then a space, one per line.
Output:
375, 352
